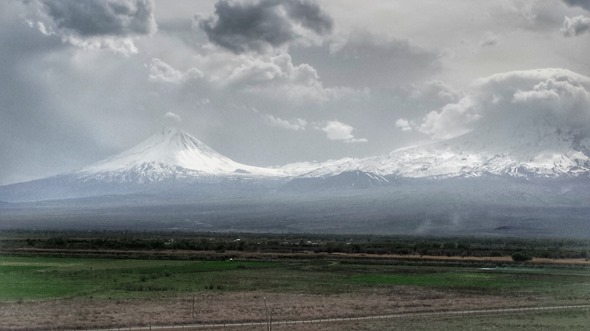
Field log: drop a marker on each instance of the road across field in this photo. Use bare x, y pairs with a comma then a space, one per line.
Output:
351, 319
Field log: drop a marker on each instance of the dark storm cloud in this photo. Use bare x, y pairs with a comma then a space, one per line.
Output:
242, 27
580, 3
575, 26
309, 14
91, 18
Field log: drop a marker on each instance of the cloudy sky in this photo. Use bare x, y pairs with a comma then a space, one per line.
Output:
269, 82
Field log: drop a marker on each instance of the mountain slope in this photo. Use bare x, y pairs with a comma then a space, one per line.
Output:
547, 152
347, 180
171, 154
171, 162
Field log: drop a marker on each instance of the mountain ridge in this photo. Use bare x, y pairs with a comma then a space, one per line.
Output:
542, 154
173, 160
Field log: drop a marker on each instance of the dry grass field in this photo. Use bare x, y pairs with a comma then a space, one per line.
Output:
240, 306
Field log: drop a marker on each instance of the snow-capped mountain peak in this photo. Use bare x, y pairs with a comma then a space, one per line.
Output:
171, 153
544, 152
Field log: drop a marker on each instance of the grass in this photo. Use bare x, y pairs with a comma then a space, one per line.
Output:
34, 278
61, 292
23, 278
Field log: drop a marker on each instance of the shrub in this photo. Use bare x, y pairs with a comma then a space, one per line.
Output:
521, 257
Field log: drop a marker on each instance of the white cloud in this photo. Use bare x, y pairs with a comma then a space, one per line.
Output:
297, 124
161, 71
575, 26
339, 131
259, 71
404, 124
527, 102
452, 120
123, 46
172, 117
117, 44
269, 77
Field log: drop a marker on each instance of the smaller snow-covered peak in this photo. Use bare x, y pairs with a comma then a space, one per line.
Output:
545, 152
173, 148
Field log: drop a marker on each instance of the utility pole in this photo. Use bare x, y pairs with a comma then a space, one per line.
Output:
193, 310
268, 317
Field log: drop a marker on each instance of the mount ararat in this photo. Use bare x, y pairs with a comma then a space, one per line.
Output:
436, 188
173, 156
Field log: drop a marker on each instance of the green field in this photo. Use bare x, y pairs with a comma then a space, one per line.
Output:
33, 278
80, 292
24, 278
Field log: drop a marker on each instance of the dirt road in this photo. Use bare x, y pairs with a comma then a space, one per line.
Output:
459, 313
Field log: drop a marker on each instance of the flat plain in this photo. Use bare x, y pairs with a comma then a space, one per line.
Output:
65, 287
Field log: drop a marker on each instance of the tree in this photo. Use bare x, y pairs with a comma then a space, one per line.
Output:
521, 257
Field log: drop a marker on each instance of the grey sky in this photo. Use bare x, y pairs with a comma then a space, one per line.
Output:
267, 82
